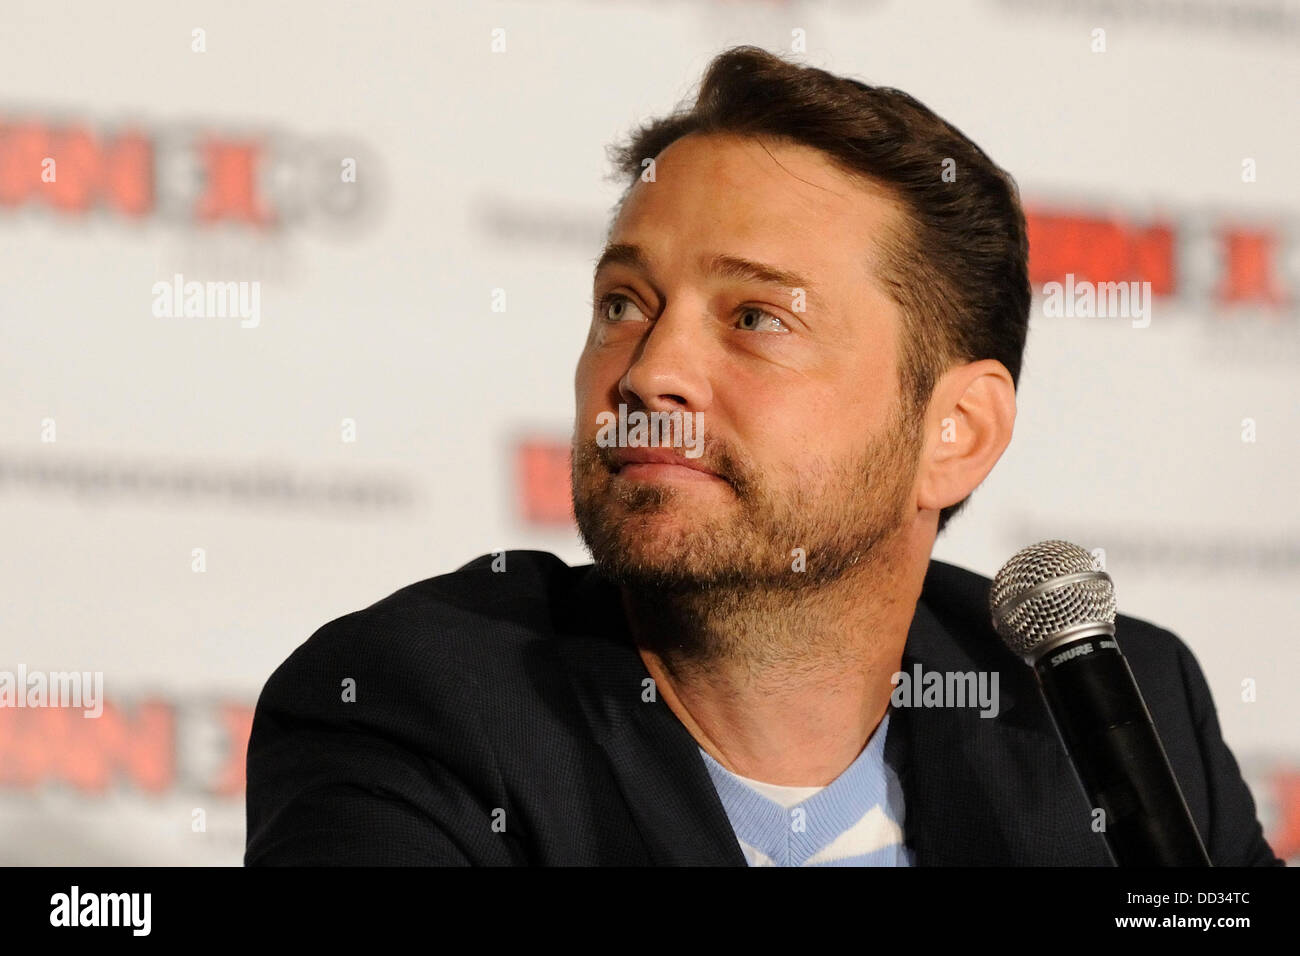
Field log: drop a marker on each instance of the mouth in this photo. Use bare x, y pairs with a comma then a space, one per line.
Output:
660, 465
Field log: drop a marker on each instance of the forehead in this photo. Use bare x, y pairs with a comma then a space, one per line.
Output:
765, 198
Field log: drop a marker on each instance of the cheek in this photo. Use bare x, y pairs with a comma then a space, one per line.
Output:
794, 430
772, 427
595, 379
580, 375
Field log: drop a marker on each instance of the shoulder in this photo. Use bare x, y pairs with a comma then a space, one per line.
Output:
491, 596
1166, 671
375, 741
434, 643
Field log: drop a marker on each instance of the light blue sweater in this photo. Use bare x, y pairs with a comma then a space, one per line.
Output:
855, 820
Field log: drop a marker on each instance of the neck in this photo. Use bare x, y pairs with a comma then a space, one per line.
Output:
784, 686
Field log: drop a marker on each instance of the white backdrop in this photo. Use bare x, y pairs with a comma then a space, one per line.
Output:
480, 171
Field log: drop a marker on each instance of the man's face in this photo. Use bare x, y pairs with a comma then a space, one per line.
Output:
807, 449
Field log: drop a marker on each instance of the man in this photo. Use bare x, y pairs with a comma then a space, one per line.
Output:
825, 285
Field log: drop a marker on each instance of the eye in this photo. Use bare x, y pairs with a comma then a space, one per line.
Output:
753, 319
614, 307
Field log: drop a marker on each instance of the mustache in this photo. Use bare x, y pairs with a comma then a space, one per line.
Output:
717, 457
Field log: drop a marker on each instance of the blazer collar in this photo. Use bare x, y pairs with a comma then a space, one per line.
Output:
995, 790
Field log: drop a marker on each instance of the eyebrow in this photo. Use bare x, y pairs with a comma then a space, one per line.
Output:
725, 266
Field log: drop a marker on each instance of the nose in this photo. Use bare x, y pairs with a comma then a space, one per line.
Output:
669, 372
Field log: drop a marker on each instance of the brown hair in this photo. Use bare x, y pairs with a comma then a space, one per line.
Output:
959, 272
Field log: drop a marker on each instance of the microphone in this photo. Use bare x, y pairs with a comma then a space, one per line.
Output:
1056, 610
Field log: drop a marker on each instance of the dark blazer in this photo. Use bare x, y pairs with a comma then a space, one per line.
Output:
499, 719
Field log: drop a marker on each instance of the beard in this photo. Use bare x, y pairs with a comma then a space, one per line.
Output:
808, 528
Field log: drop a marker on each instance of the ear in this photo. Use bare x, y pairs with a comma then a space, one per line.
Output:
968, 424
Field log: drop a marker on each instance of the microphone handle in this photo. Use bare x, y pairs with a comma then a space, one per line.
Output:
1108, 733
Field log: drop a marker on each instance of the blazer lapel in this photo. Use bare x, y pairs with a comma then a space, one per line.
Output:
654, 758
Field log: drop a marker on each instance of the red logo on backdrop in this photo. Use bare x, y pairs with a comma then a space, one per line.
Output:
542, 469
154, 746
1285, 835
263, 182
1226, 264
1100, 250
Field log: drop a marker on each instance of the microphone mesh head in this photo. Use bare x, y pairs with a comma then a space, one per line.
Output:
1036, 619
